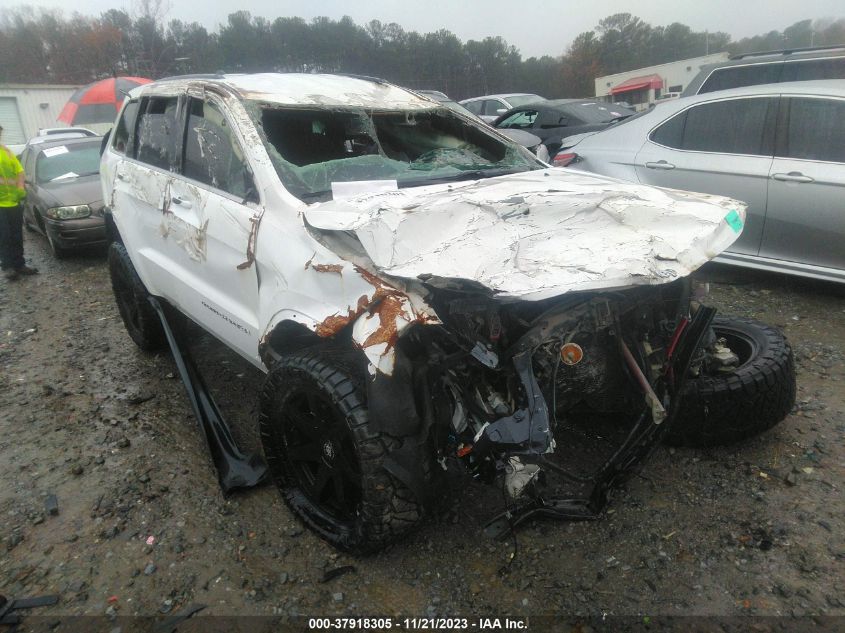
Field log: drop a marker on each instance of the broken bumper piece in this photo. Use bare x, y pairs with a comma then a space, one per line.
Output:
523, 438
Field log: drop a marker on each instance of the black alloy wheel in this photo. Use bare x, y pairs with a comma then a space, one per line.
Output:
326, 458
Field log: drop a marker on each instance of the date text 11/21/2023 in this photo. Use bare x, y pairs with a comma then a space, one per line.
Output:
418, 624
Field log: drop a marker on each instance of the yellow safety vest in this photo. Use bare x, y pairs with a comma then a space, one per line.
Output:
10, 168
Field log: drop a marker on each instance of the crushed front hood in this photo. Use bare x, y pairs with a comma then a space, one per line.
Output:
537, 234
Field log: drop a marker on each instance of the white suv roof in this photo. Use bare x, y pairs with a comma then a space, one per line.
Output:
303, 89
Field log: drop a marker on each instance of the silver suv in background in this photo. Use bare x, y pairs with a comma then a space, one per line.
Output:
770, 67
780, 148
490, 107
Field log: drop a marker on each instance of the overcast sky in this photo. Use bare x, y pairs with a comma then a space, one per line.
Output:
540, 27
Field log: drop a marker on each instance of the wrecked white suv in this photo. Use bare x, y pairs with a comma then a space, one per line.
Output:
424, 295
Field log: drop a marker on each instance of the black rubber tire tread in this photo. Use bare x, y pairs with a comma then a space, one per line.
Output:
146, 331
388, 510
723, 409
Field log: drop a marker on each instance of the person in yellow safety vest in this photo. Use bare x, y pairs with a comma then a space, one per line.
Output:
11, 215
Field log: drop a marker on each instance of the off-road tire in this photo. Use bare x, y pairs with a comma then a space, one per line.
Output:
386, 509
725, 408
139, 317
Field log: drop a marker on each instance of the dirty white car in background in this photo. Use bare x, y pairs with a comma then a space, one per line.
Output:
424, 295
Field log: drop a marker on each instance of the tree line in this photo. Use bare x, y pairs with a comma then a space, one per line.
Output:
42, 46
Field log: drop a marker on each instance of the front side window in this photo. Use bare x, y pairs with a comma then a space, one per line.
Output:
311, 149
125, 127
740, 76
736, 126
815, 131
158, 134
474, 106
212, 153
492, 107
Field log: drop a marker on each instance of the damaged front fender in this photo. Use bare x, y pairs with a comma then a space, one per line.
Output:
377, 331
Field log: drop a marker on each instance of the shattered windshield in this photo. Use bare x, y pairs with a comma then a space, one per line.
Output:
313, 148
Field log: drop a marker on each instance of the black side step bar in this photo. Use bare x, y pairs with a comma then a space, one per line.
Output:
234, 469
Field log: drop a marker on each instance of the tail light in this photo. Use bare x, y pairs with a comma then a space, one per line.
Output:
564, 159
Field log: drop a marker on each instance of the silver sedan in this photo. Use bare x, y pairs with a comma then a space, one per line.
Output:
778, 147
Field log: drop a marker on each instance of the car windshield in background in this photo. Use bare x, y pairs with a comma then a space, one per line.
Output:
521, 100
591, 112
311, 149
68, 161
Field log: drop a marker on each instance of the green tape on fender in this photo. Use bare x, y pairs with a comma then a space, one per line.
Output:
734, 221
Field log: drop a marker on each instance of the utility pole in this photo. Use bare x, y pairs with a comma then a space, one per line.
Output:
707, 42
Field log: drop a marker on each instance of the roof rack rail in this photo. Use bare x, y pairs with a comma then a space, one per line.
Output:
377, 80
789, 51
194, 76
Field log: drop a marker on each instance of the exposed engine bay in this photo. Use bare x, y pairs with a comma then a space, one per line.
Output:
496, 381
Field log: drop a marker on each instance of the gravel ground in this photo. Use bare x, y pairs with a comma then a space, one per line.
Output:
142, 527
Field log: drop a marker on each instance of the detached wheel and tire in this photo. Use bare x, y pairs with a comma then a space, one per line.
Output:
326, 459
725, 408
141, 321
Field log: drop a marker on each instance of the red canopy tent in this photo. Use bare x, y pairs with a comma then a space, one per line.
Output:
638, 83
99, 102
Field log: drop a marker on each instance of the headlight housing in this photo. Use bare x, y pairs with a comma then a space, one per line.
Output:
69, 213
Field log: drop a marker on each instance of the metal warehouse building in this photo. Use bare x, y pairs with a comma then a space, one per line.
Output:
24, 108
643, 86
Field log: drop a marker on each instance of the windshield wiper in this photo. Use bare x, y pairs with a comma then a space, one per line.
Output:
473, 174
314, 195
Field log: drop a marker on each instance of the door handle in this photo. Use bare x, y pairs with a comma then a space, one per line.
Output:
120, 176
793, 176
661, 164
185, 204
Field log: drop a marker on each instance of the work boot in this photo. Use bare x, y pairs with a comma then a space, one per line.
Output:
26, 270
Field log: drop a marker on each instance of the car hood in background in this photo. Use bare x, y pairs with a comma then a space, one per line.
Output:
71, 191
572, 141
521, 137
535, 234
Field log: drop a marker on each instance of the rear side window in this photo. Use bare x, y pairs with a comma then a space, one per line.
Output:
125, 126
212, 153
737, 126
825, 68
739, 76
815, 130
492, 107
158, 134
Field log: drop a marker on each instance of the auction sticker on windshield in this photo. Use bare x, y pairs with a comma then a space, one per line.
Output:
55, 151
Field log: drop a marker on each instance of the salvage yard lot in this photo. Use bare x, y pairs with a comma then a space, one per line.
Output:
756, 528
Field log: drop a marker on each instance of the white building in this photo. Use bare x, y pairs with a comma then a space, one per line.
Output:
644, 86
24, 108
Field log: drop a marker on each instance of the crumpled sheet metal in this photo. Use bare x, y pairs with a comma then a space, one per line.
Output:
377, 331
378, 311
538, 234
305, 89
